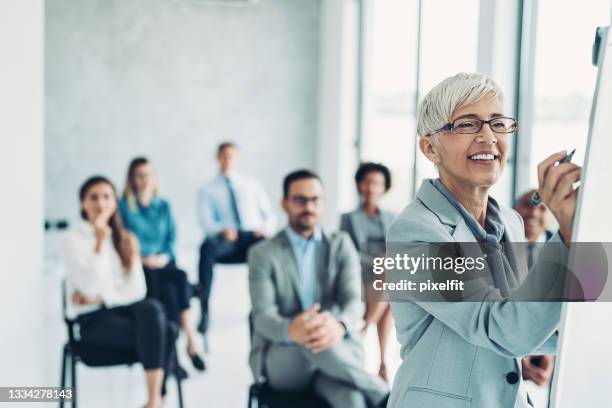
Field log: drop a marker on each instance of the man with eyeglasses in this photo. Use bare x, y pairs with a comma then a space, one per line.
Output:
306, 306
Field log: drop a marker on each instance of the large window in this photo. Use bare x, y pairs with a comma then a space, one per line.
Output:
449, 45
449, 39
393, 78
564, 78
390, 67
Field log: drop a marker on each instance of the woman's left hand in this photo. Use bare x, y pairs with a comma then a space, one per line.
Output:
557, 192
79, 299
156, 261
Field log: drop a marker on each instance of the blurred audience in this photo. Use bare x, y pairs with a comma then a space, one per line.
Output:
369, 223
537, 219
235, 212
149, 217
106, 286
306, 306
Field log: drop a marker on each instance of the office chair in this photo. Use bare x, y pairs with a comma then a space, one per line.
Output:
93, 355
261, 395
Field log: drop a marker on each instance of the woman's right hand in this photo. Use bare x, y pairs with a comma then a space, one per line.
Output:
102, 232
557, 192
101, 229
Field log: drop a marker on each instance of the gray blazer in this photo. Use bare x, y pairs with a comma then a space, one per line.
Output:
275, 289
355, 224
464, 354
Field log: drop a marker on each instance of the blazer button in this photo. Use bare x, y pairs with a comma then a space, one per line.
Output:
512, 377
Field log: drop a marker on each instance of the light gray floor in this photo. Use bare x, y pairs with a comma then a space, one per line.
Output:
33, 334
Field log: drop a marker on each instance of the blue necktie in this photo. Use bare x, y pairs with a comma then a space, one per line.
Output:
307, 275
233, 202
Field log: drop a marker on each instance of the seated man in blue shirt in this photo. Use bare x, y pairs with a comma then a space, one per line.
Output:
306, 306
235, 212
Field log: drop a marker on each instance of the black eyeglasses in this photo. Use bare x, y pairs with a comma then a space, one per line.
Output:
302, 201
474, 125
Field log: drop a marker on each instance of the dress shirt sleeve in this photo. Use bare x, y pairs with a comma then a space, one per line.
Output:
267, 211
208, 220
82, 264
92, 273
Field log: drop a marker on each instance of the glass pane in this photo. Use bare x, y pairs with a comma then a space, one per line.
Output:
390, 87
449, 45
449, 39
564, 77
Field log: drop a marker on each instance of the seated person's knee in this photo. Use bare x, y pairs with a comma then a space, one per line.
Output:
151, 310
349, 397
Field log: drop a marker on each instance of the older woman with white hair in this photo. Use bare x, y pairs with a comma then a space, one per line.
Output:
467, 354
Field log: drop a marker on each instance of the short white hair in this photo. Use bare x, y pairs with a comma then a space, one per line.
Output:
437, 107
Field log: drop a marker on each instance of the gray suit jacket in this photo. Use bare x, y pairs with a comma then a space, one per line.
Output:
355, 224
464, 354
275, 289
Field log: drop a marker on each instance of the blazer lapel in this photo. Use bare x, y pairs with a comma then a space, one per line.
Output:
449, 216
462, 232
387, 218
359, 226
514, 249
290, 266
322, 260
435, 201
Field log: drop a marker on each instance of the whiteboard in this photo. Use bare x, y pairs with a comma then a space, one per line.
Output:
583, 372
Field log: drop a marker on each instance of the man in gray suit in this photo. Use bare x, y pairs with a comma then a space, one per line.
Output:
306, 307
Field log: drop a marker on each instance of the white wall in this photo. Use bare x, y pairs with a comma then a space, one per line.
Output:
336, 152
21, 144
171, 79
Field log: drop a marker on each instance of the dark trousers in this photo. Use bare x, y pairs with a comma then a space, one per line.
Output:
171, 287
140, 327
217, 250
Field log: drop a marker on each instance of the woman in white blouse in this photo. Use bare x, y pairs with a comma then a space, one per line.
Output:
107, 287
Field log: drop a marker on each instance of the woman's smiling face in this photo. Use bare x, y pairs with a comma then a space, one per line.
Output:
478, 159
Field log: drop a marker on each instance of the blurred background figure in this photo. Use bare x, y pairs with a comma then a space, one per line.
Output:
107, 286
369, 224
235, 212
306, 306
150, 218
537, 219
